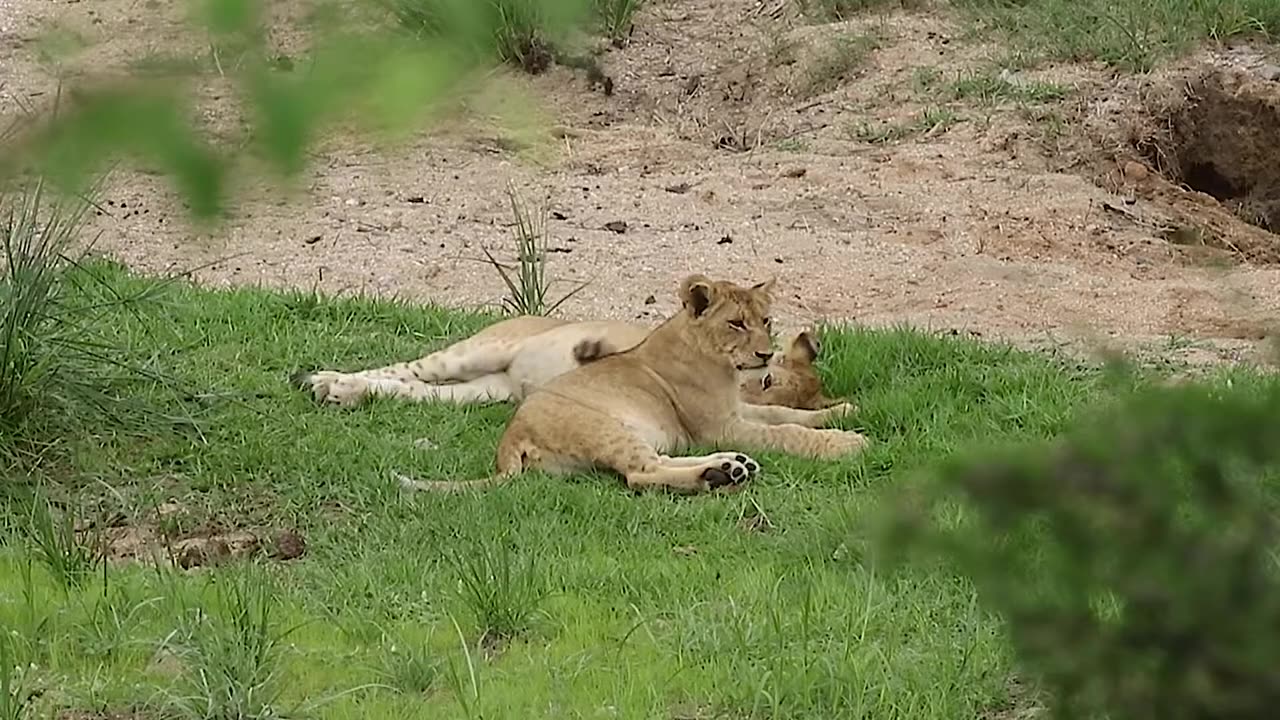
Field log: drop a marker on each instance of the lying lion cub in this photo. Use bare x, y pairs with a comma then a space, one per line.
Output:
511, 358
676, 388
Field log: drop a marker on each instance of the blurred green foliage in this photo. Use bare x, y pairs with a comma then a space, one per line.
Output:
373, 74
1133, 558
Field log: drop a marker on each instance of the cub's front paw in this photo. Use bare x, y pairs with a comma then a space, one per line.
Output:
840, 443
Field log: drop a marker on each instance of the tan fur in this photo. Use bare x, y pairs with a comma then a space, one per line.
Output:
507, 360
678, 387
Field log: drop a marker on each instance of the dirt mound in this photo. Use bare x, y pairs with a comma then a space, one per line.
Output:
1225, 142
1202, 144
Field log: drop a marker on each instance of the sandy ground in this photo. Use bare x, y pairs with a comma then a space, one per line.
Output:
1012, 221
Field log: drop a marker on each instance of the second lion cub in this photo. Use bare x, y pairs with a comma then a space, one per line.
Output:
679, 387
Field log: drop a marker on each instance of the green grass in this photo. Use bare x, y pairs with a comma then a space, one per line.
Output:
550, 597
1132, 34
930, 120
992, 88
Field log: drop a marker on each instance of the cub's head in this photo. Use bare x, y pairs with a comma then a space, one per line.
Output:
790, 378
729, 320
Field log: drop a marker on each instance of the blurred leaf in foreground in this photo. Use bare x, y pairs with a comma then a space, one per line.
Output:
1134, 558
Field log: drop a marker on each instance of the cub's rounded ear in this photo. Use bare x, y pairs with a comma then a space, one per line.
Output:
592, 349
805, 347
695, 293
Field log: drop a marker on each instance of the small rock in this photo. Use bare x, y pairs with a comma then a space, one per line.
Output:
650, 300
1135, 171
617, 226
1183, 235
169, 509
164, 662
725, 240
312, 240
795, 172
415, 199
1269, 72
352, 202
289, 545
557, 215
679, 188
197, 552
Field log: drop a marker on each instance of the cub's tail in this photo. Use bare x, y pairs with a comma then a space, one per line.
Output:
513, 458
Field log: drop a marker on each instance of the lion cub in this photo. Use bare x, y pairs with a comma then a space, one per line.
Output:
676, 388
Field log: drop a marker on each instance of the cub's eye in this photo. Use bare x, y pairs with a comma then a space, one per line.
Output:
768, 322
737, 324
766, 382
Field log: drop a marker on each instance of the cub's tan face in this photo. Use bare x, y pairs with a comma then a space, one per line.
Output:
730, 320
791, 379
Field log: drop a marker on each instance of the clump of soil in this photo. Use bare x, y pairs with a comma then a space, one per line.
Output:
1225, 142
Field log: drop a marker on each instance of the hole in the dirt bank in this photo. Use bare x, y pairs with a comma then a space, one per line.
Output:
1225, 142
1207, 179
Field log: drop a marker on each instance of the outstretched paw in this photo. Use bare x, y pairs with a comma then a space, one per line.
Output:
730, 468
334, 388
840, 443
841, 409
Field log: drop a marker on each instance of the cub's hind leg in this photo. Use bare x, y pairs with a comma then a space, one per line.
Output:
477, 358
347, 390
562, 437
728, 462
697, 476
623, 451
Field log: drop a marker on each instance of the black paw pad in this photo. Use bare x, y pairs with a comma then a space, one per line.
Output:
725, 466
740, 458
715, 477
739, 474
752, 468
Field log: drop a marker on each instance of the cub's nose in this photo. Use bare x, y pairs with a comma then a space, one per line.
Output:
764, 356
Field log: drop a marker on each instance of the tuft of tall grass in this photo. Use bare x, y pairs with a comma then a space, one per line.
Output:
501, 588
616, 18
521, 32
232, 655
69, 558
56, 365
528, 291
18, 692
35, 234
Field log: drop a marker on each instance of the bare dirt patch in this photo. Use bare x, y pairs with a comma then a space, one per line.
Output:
156, 538
739, 139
